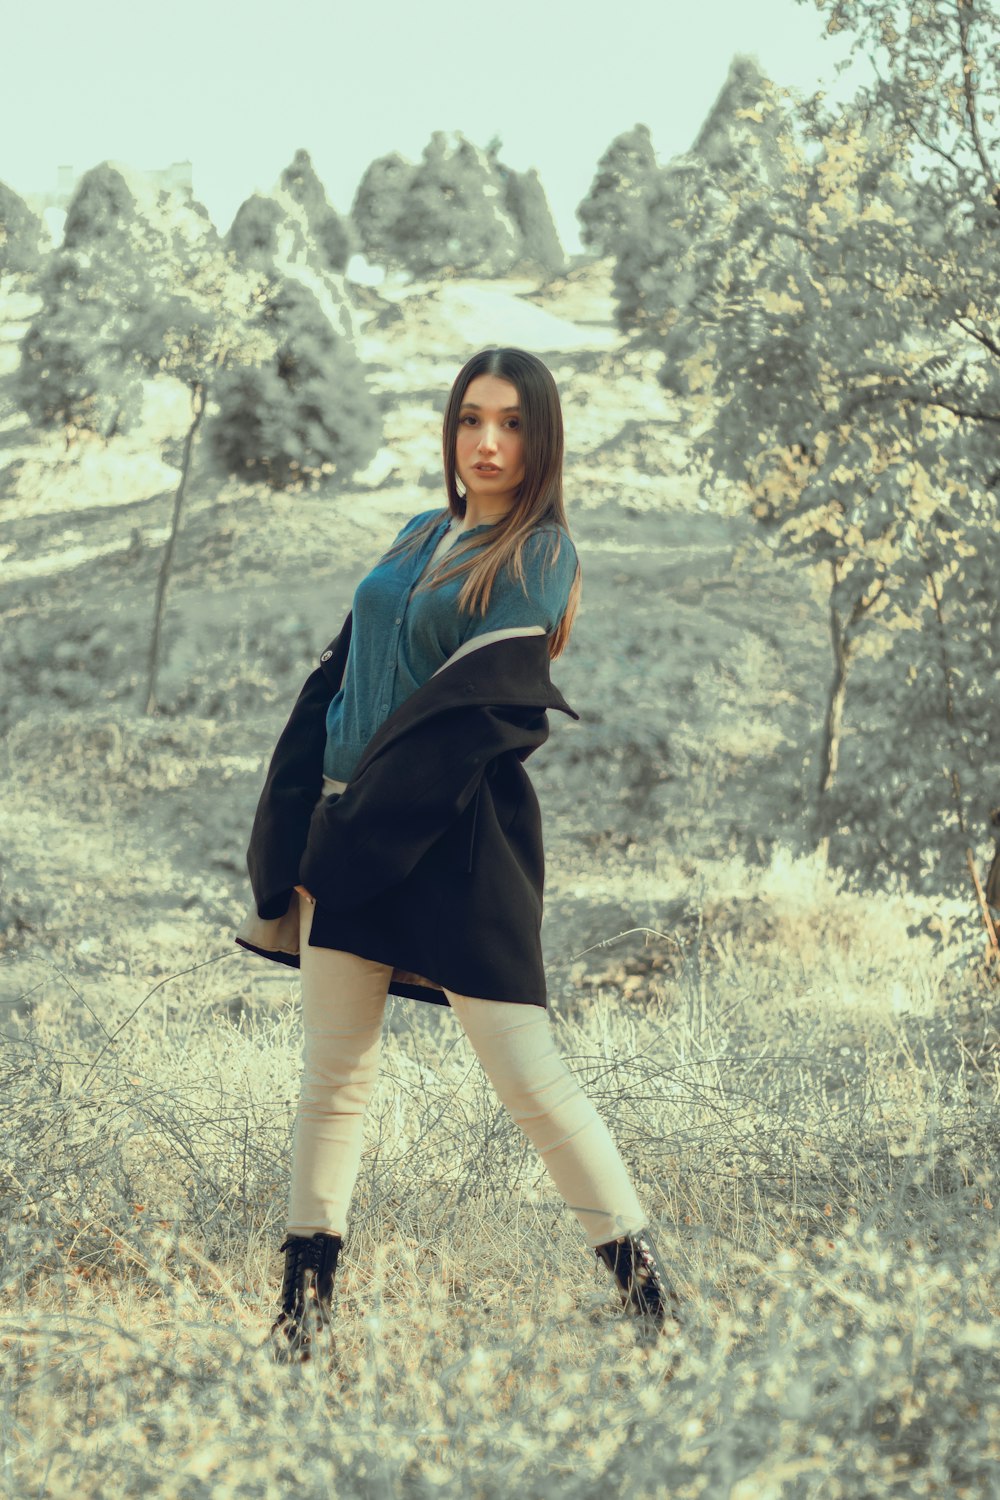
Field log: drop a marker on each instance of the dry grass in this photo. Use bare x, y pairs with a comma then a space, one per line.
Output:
815, 1139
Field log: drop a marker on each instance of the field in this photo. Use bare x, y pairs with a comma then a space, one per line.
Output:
801, 1075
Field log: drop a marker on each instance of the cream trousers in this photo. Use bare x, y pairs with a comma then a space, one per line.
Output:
343, 1005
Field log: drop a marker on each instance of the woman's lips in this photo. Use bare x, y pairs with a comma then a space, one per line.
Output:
491, 469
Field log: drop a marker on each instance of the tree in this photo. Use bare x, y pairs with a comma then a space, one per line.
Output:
190, 318
305, 413
20, 233
615, 204
744, 137
843, 322
452, 217
724, 146
88, 346
526, 204
378, 208
205, 312
333, 236
256, 233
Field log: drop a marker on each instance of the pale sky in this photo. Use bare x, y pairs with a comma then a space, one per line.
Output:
237, 86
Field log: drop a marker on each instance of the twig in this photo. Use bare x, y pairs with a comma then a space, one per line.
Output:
994, 944
961, 9
628, 933
159, 984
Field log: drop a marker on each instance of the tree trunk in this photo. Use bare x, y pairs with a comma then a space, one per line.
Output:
842, 640
198, 398
949, 696
833, 724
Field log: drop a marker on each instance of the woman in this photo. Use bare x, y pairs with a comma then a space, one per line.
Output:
417, 866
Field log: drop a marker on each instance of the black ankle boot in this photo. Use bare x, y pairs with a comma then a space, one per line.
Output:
306, 1294
646, 1292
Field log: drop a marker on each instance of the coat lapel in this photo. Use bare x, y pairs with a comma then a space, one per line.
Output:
510, 675
512, 672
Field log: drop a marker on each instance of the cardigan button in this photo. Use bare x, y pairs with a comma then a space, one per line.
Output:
326, 656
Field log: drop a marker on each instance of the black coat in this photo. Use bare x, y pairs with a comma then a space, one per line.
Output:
431, 860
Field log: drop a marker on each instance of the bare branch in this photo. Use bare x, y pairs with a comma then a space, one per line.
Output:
940, 151
861, 394
863, 603
982, 338
970, 99
974, 414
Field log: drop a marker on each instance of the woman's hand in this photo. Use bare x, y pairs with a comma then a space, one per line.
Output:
303, 892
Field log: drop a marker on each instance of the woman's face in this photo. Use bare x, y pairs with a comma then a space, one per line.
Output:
490, 431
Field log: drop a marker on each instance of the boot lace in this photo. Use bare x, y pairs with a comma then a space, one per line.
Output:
305, 1293
645, 1288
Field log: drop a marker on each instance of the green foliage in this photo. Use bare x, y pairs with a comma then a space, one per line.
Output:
460, 209
75, 369
525, 201
253, 235
615, 205
141, 288
90, 343
836, 319
203, 315
377, 207
333, 236
101, 209
682, 204
20, 233
917, 774
134, 289
306, 412
453, 217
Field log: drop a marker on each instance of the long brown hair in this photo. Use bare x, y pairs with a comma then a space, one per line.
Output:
539, 496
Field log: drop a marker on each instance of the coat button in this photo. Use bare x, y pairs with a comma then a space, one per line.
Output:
326, 656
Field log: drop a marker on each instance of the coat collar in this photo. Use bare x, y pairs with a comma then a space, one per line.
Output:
514, 671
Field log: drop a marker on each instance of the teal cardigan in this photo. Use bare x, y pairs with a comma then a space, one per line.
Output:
399, 639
